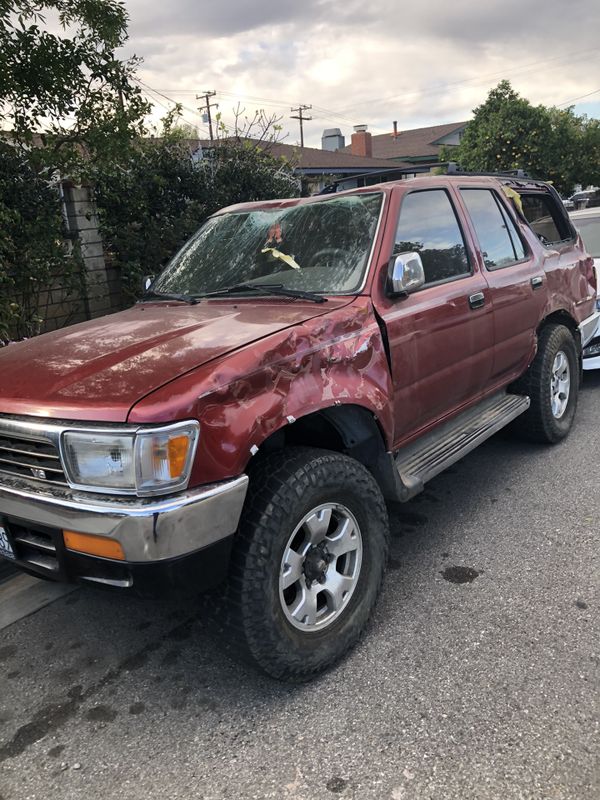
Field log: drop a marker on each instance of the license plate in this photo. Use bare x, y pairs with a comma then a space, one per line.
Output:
5, 546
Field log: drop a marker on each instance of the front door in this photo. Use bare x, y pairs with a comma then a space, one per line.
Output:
441, 336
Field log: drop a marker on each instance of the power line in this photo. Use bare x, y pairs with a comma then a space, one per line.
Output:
321, 112
147, 93
153, 91
166, 97
476, 80
324, 113
574, 99
329, 114
175, 91
299, 116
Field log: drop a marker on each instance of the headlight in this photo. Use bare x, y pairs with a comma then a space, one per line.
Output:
144, 462
100, 460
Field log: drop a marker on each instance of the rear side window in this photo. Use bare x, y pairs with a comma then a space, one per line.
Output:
545, 218
498, 237
428, 225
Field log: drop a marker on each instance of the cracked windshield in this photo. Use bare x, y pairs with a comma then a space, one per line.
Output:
319, 247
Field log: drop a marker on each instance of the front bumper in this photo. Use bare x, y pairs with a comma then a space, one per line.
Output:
155, 535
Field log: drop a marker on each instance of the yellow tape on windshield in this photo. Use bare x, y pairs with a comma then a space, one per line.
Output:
281, 256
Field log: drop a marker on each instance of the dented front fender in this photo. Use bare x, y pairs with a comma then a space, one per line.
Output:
245, 397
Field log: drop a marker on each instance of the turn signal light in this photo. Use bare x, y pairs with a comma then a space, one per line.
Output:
93, 545
178, 451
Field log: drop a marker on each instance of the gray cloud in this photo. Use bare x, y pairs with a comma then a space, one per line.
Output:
368, 60
466, 21
224, 18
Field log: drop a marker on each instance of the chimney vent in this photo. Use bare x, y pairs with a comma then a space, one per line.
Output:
332, 139
395, 129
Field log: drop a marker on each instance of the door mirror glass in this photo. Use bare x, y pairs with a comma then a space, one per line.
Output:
405, 274
147, 282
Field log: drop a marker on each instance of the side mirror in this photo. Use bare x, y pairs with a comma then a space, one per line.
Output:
147, 282
405, 274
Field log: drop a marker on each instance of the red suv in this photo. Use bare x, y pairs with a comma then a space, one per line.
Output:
296, 364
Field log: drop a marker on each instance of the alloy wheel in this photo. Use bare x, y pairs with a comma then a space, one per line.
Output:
320, 567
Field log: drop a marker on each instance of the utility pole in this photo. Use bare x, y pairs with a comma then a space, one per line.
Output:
299, 116
207, 106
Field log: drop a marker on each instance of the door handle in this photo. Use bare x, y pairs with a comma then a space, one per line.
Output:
477, 300
537, 281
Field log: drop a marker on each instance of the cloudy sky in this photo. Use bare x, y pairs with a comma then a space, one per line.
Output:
365, 61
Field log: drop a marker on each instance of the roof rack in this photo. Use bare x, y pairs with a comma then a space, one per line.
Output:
332, 187
452, 168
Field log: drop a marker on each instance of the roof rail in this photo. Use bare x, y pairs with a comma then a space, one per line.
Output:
454, 169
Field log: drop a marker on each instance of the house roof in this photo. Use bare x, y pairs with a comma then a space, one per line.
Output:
413, 143
313, 157
313, 160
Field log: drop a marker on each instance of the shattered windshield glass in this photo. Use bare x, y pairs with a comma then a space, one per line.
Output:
320, 247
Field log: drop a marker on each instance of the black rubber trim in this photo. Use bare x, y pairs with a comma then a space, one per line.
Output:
198, 571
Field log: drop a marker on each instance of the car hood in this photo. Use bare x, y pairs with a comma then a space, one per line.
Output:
98, 370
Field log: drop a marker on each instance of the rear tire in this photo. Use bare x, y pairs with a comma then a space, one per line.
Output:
552, 383
308, 561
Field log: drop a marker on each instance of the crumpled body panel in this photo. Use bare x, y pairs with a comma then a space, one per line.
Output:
335, 359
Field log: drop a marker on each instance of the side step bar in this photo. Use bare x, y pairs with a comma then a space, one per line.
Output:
432, 453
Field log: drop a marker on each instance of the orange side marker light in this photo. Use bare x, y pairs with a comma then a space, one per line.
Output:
93, 545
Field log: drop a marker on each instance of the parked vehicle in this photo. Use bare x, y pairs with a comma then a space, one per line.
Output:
581, 200
587, 222
295, 365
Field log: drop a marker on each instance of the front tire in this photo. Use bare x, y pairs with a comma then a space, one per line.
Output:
308, 562
552, 383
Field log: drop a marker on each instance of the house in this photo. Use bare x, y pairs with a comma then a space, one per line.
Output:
317, 168
419, 147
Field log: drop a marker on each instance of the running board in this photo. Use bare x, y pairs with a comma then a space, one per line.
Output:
432, 453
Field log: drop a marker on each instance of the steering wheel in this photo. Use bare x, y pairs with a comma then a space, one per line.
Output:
321, 255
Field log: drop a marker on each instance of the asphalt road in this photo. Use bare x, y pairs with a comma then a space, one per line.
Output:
487, 688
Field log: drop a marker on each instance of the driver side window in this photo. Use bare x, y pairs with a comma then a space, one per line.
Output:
428, 225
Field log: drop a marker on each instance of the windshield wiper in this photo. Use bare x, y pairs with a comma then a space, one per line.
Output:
183, 298
268, 288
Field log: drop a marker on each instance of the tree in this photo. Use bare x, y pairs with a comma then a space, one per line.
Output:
32, 250
151, 201
507, 132
591, 152
68, 87
75, 111
66, 103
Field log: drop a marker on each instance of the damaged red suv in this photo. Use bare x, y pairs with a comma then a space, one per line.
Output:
297, 364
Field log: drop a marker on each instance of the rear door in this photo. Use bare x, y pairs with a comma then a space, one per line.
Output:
440, 337
516, 278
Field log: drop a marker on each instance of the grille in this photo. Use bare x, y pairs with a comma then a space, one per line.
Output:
32, 459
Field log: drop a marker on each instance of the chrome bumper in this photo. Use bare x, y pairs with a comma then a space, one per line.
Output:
148, 530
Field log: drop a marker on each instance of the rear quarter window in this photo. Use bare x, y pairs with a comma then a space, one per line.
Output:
546, 219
